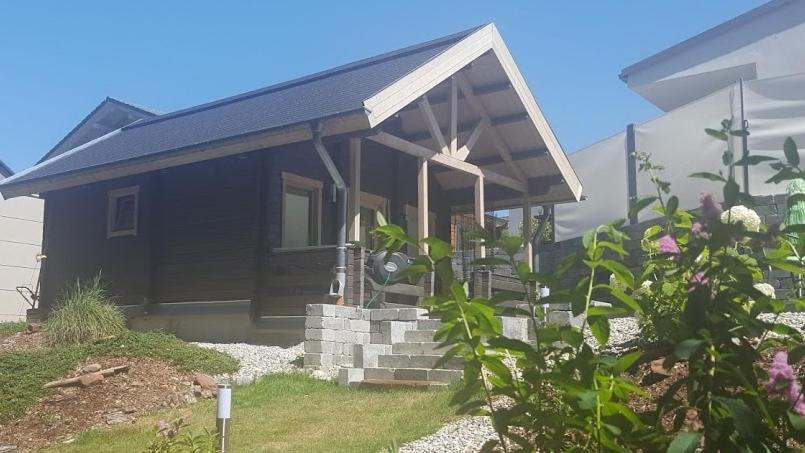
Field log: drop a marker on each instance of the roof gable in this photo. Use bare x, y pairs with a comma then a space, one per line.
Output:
107, 116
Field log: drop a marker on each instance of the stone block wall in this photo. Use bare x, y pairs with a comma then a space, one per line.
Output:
770, 208
334, 333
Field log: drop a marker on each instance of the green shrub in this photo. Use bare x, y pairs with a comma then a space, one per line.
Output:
85, 313
176, 437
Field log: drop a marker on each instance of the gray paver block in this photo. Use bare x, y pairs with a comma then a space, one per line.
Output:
347, 376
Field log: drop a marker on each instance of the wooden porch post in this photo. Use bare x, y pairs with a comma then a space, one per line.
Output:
527, 248
480, 211
354, 197
422, 202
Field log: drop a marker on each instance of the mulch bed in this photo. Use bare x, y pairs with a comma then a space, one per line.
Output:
22, 341
64, 412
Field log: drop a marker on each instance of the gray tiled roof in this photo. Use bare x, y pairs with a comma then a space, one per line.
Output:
324, 94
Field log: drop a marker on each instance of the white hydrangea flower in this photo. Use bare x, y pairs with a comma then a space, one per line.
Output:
644, 289
766, 289
740, 213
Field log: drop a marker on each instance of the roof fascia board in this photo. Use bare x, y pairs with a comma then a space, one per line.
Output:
5, 171
535, 115
356, 121
412, 86
704, 36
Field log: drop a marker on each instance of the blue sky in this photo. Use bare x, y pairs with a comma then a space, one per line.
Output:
58, 60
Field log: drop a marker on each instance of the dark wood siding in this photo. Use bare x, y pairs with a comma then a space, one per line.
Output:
77, 246
199, 235
207, 231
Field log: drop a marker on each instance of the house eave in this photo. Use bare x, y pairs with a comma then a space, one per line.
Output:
344, 123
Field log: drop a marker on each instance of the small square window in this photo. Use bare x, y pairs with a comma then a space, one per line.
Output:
122, 212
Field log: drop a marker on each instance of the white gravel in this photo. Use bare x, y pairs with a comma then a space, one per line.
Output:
465, 435
256, 360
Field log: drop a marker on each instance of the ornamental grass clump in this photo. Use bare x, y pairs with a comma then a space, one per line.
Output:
699, 286
83, 314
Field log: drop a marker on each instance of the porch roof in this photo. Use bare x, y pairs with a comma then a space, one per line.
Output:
351, 99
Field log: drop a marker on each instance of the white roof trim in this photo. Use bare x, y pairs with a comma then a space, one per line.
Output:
414, 85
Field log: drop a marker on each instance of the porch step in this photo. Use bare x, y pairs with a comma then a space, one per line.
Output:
425, 361
411, 374
418, 347
391, 383
419, 336
428, 324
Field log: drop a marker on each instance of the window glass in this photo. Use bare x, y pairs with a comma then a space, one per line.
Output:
124, 215
296, 224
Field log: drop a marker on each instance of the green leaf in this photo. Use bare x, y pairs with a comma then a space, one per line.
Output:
380, 219
797, 421
627, 360
671, 206
686, 348
721, 135
731, 191
754, 160
437, 248
788, 266
511, 244
746, 422
791, 153
599, 326
622, 273
626, 299
607, 311
685, 442
588, 399
641, 204
708, 175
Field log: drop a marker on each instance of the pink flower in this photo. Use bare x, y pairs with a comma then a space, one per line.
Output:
710, 209
668, 245
783, 383
699, 231
163, 427
699, 279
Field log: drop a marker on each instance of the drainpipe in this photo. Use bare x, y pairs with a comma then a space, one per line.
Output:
337, 285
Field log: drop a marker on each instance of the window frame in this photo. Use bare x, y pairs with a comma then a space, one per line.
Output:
315, 187
112, 196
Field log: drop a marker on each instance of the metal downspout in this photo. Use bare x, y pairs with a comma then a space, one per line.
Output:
338, 284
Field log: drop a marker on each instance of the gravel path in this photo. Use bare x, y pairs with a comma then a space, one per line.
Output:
256, 360
465, 435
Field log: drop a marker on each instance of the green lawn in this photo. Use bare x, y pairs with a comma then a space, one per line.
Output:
11, 327
22, 374
294, 413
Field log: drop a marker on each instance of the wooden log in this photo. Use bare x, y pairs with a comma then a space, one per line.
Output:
77, 380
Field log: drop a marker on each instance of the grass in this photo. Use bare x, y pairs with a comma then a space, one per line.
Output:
23, 373
84, 313
11, 327
293, 413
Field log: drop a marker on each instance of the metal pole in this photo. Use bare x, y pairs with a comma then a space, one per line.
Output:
631, 172
224, 414
744, 138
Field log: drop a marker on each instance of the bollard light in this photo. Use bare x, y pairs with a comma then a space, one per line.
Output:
224, 415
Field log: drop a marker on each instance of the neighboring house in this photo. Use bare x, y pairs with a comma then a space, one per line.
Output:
219, 220
696, 82
750, 69
20, 241
765, 42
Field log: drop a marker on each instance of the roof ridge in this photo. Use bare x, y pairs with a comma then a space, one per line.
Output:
310, 77
5, 170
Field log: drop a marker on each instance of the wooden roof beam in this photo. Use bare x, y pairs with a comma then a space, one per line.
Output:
433, 125
446, 160
497, 140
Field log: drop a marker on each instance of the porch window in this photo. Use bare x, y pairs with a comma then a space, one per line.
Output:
122, 212
301, 211
371, 205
